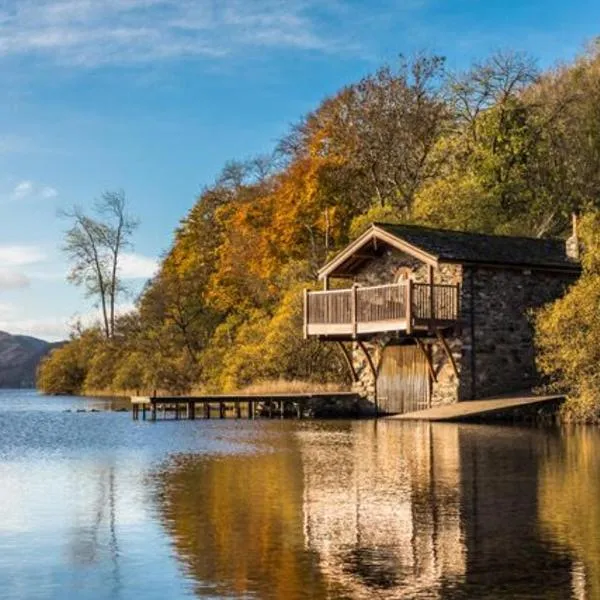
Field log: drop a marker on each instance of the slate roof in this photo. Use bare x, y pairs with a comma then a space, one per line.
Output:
464, 247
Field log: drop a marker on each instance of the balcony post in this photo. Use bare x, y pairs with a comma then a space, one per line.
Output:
354, 311
431, 307
305, 298
409, 298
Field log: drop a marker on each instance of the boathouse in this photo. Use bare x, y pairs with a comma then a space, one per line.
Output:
427, 317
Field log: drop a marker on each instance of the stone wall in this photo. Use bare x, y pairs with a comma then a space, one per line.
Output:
497, 329
383, 269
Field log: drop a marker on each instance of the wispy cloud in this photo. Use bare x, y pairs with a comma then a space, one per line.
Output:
100, 32
30, 189
12, 280
51, 328
14, 261
137, 266
20, 255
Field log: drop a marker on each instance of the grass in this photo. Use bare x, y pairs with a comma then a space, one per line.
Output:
284, 386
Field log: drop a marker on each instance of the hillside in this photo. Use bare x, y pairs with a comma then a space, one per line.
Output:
19, 358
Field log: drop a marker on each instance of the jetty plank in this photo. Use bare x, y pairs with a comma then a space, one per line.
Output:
480, 409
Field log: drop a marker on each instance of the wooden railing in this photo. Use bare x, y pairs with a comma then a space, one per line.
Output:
395, 306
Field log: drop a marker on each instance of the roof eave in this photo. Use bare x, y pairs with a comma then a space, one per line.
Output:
375, 233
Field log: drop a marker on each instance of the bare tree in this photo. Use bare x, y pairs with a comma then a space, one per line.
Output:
94, 246
502, 76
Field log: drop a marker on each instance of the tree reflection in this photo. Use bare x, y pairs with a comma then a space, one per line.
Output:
236, 523
569, 509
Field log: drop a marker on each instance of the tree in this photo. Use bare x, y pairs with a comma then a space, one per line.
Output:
568, 332
94, 246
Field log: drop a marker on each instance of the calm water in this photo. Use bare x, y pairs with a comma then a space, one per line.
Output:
95, 506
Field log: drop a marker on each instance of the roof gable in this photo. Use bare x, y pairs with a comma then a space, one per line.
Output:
434, 246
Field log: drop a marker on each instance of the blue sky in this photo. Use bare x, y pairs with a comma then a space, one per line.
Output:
153, 96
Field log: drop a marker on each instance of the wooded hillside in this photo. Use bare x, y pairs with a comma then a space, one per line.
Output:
501, 148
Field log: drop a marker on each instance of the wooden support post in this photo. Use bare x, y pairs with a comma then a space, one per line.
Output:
325, 283
238, 410
427, 358
154, 411
354, 310
373, 372
442, 339
349, 362
250, 411
207, 410
409, 301
177, 407
281, 409
144, 411
192, 411
270, 408
431, 298
253, 409
305, 296
221, 410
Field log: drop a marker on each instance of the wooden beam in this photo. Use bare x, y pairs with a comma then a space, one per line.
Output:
430, 368
373, 371
348, 361
374, 233
444, 343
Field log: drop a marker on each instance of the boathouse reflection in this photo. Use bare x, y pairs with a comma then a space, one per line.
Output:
383, 513
383, 509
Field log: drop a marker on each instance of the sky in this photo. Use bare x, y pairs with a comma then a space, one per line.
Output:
153, 96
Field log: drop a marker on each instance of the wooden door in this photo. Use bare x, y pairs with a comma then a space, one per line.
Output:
403, 380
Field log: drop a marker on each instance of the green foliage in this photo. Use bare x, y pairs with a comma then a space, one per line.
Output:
568, 332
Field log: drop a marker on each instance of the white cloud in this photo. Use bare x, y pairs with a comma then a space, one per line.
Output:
94, 32
20, 255
137, 266
12, 280
23, 189
48, 192
51, 328
30, 189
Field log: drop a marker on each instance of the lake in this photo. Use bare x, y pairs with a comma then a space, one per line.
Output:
96, 506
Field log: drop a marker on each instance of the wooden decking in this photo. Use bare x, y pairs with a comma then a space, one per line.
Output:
403, 306
480, 410
221, 405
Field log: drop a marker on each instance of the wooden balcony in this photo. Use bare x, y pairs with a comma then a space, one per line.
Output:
404, 307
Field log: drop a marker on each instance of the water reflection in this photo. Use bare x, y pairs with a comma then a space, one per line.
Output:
382, 508
389, 510
236, 522
569, 505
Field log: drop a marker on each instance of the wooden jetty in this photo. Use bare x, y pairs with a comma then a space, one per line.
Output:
506, 407
191, 407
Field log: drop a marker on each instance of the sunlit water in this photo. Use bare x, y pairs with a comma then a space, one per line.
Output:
96, 506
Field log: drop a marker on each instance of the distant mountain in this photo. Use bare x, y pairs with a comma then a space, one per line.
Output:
19, 358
